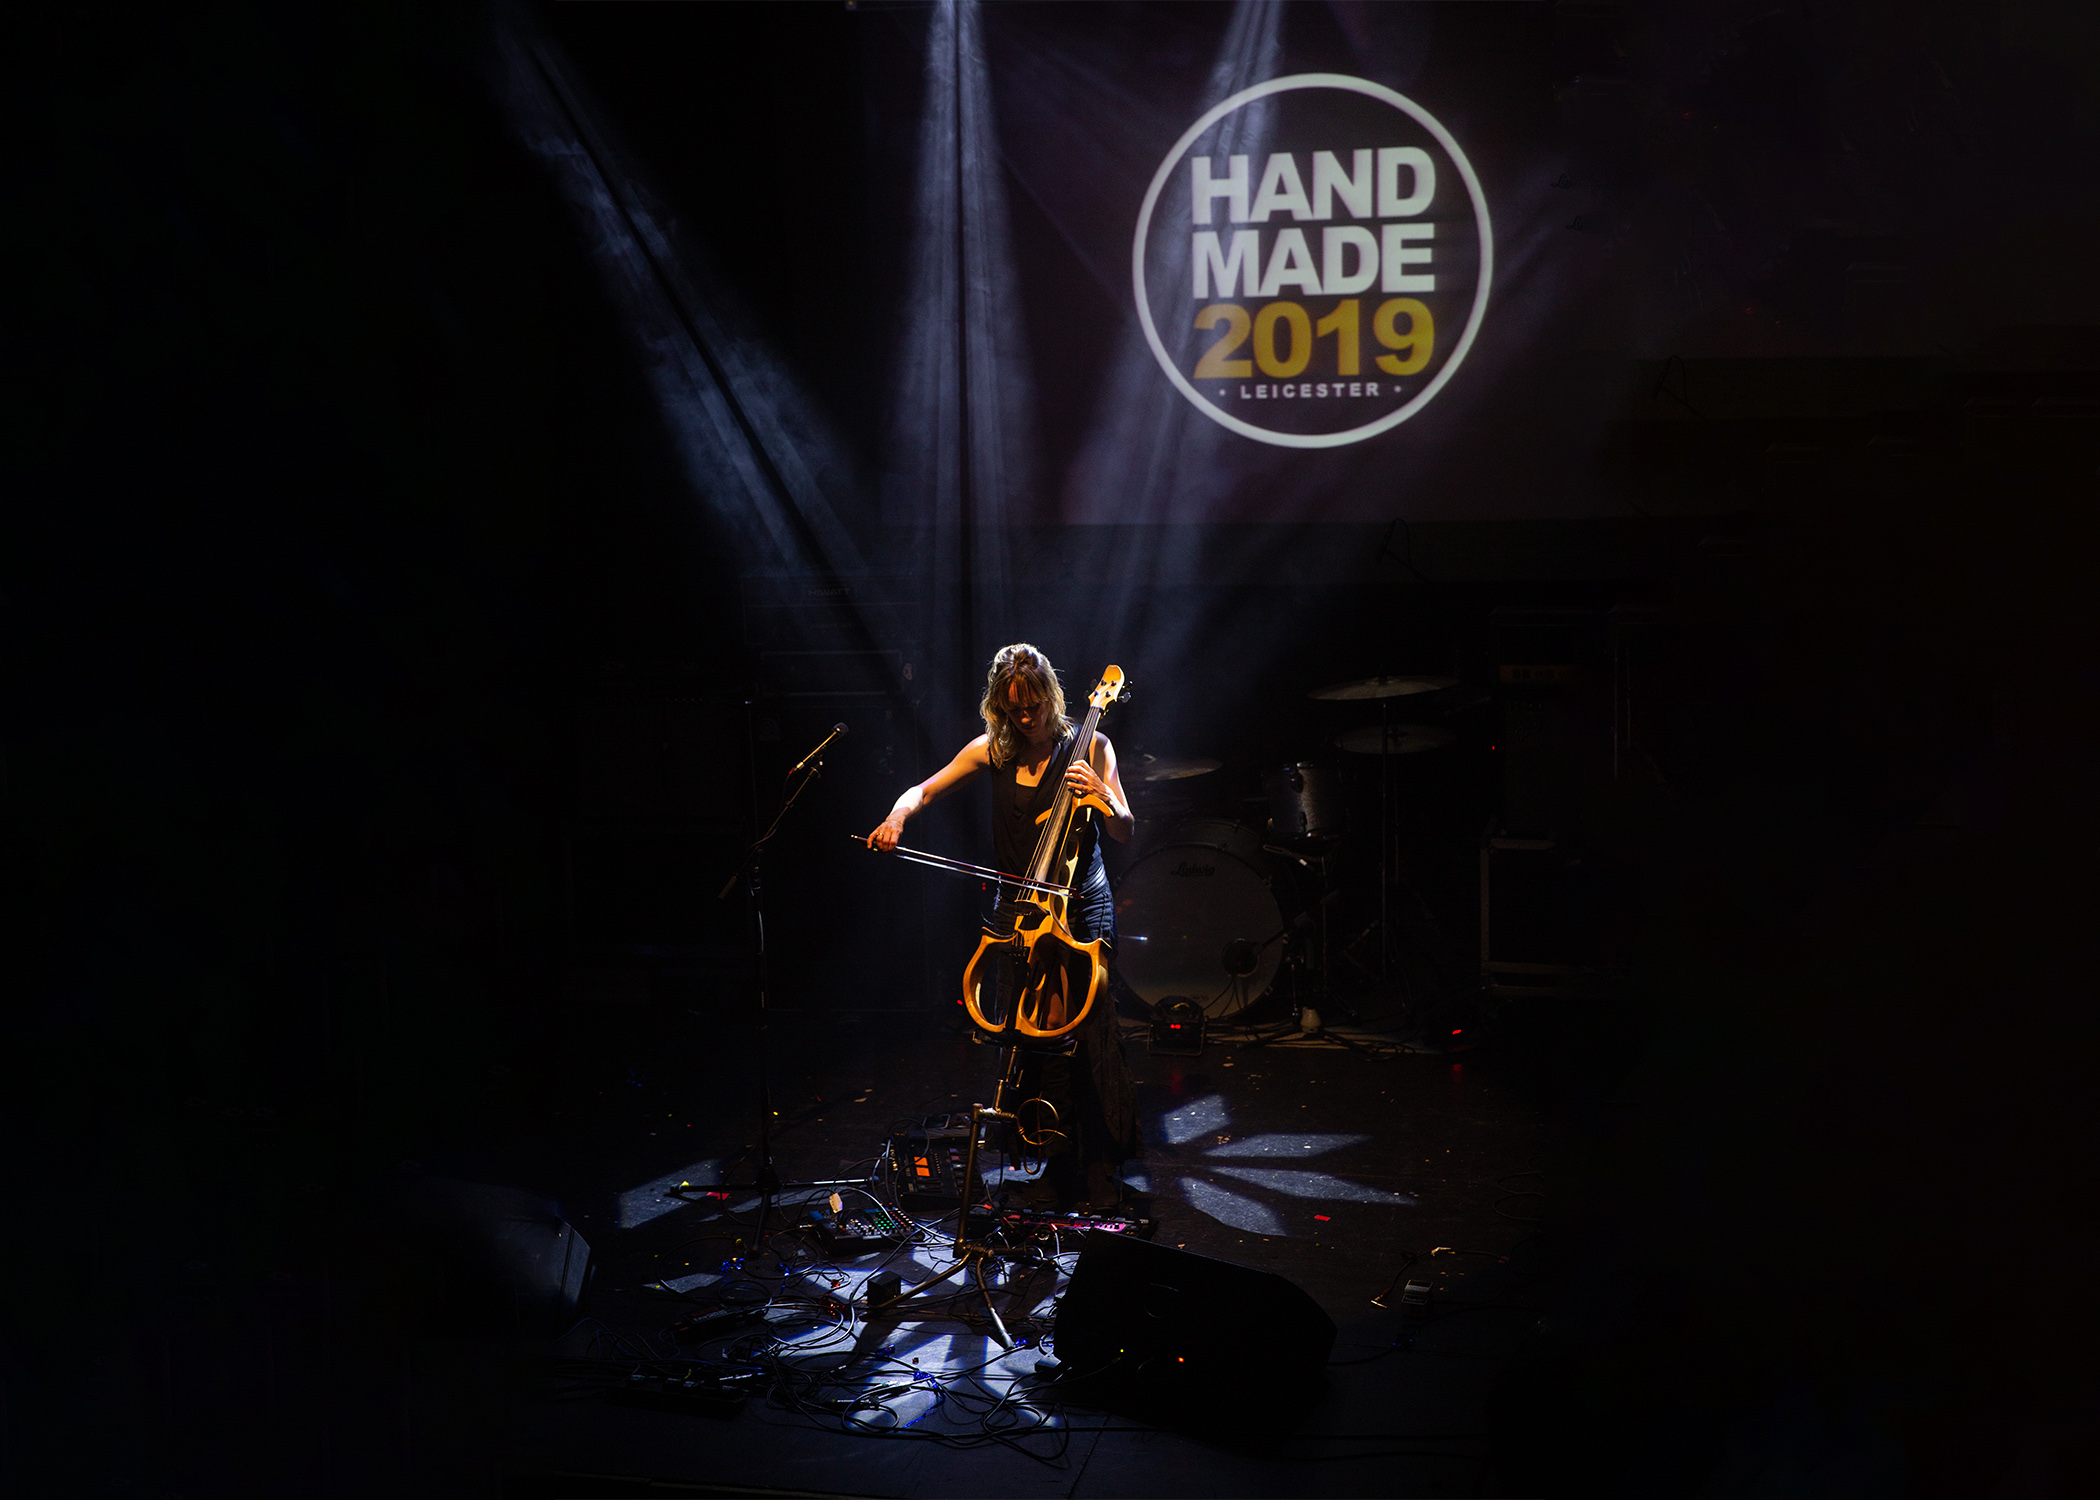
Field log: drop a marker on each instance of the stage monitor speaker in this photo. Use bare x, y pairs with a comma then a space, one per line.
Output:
1185, 1340
478, 1258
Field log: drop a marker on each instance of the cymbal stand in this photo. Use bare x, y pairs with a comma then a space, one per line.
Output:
1385, 835
1329, 995
972, 1252
1382, 923
1322, 987
1307, 858
1388, 865
1241, 959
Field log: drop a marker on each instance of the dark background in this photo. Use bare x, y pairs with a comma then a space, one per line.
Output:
344, 542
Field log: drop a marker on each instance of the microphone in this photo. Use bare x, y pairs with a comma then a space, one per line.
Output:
836, 731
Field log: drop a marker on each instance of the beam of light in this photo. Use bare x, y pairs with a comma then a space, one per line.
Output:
1198, 1117
1146, 456
1147, 459
688, 1283
1286, 1146
1319, 1185
1229, 1208
752, 446
961, 457
653, 1199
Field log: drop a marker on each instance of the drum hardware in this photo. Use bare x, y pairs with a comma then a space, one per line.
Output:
1435, 951
1399, 739
1305, 802
1159, 807
1387, 740
1310, 965
1381, 686
1154, 827
1305, 1023
1385, 838
1384, 688
1226, 834
1240, 958
1159, 793
1173, 767
1310, 983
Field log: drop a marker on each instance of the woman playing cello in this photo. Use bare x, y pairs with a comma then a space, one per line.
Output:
1026, 748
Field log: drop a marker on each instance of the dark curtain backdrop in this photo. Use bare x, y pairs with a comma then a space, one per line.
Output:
1715, 181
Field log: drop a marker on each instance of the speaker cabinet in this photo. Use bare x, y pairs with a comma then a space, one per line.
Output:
1553, 741
478, 1258
1185, 1340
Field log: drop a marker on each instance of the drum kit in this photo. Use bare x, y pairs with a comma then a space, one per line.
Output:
1197, 913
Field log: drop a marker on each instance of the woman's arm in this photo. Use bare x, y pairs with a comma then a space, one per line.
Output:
969, 760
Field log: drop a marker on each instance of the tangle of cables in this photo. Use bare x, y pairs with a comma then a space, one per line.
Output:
787, 1324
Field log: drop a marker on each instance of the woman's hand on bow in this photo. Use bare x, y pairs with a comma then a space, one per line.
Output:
887, 833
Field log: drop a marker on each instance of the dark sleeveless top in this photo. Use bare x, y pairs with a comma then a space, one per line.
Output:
1015, 809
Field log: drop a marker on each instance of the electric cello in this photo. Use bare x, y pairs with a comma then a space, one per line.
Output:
1055, 969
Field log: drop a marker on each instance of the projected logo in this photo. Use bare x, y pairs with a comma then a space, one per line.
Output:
1312, 261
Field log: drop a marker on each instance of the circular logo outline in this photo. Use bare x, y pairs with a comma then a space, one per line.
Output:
1457, 157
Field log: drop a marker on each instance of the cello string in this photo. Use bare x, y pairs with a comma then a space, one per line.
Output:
1049, 850
1060, 803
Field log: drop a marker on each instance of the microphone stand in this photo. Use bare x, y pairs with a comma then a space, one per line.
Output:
751, 873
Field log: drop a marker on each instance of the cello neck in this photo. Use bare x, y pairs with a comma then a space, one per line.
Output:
1052, 837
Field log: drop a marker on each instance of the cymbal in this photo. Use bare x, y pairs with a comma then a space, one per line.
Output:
1401, 739
1382, 687
1174, 767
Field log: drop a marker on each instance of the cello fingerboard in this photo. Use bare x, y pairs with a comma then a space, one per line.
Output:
1049, 844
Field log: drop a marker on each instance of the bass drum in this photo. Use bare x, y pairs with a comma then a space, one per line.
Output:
1195, 918
1236, 839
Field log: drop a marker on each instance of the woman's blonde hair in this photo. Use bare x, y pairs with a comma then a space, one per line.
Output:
1024, 664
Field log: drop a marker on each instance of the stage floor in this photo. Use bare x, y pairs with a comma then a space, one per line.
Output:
1326, 1165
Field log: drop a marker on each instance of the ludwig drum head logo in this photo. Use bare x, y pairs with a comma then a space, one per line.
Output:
1312, 261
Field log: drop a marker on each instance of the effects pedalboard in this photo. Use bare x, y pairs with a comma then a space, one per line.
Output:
929, 1161
1021, 1224
859, 1232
